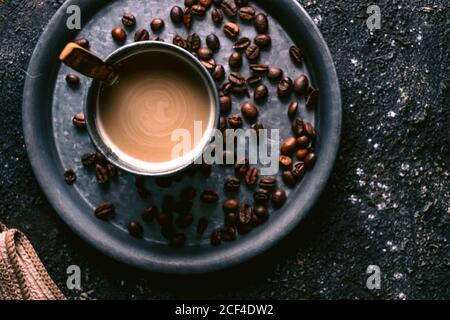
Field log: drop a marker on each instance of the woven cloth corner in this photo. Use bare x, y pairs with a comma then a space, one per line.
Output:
22, 274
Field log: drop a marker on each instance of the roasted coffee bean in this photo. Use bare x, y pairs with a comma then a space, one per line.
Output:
274, 74
298, 169
227, 88
164, 219
205, 3
88, 159
141, 35
188, 194
163, 182
236, 78
187, 18
301, 85
253, 80
72, 79
278, 198
303, 141
216, 237
213, 42
247, 13
240, 90
249, 111
260, 93
235, 60
139, 182
285, 162
100, 158
217, 15
168, 204
242, 43
82, 42
190, 3
311, 100
231, 218
79, 121
104, 211
168, 231
184, 221
225, 104
301, 154
194, 43
119, 34
204, 53
263, 41
157, 24
235, 121
156, 38
231, 29
288, 145
296, 55
209, 196
268, 182
177, 241
198, 10
261, 213
150, 213
298, 127
180, 41
252, 52
70, 176
261, 196
259, 67
135, 229
310, 160
232, 184
229, 7
257, 127
230, 205
223, 125
228, 234
251, 176
209, 64
244, 218
128, 20
292, 109
176, 14
202, 225
285, 87
112, 170
289, 179
241, 167
218, 73
261, 23
309, 130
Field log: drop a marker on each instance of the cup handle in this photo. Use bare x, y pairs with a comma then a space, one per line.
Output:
87, 63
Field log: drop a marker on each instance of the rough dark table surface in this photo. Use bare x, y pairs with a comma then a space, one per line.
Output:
388, 203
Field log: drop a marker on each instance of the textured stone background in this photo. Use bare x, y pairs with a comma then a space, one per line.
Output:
388, 202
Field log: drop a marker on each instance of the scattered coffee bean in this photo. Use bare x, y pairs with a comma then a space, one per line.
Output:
278, 198
253, 80
229, 7
209, 64
188, 194
227, 88
73, 79
156, 38
252, 52
217, 15
184, 221
112, 170
119, 34
240, 90
231, 29
244, 218
135, 229
128, 20
274, 74
205, 3
194, 43
101, 173
230, 205
198, 10
231, 218
228, 234
176, 14
236, 79
232, 184
268, 182
82, 42
288, 145
88, 159
213, 42
241, 167
259, 67
298, 170
157, 24
310, 160
251, 176
180, 41
242, 43
289, 178
190, 3
247, 13
311, 100
204, 53
309, 130
285, 162
301, 154
168, 204
249, 111
285, 87
209, 196
225, 104
257, 127
70, 176
216, 237
261, 196
263, 41
202, 225
104, 211
261, 213
292, 109
235, 121
235, 60
178, 240
241, 3
100, 158
79, 121
261, 93
261, 23
139, 182
164, 219
298, 127
301, 85
218, 72
296, 55
187, 18
141, 35
150, 213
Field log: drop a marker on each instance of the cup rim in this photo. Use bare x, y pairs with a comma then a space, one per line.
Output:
90, 108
